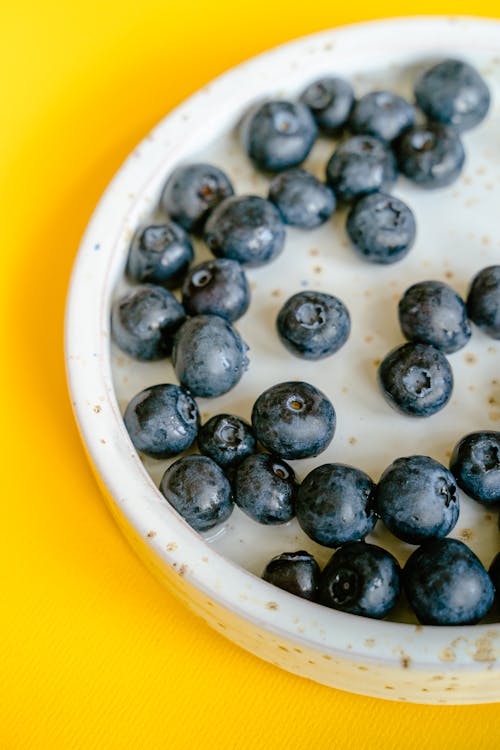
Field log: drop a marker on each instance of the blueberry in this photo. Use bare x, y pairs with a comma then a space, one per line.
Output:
431, 155
226, 439
483, 301
382, 114
160, 254
246, 228
280, 135
192, 192
417, 499
475, 464
144, 321
446, 584
313, 325
494, 572
361, 165
209, 355
362, 579
217, 287
335, 504
198, 490
431, 312
303, 200
162, 420
381, 228
454, 93
416, 379
294, 420
330, 100
265, 488
295, 572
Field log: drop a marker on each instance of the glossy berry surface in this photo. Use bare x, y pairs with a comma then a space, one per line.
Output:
453, 92
382, 114
216, 287
330, 100
227, 439
302, 200
192, 192
313, 325
431, 312
162, 420
295, 572
294, 420
199, 491
416, 379
430, 155
265, 488
144, 321
417, 499
335, 504
359, 166
280, 135
446, 584
246, 228
483, 301
475, 463
382, 228
209, 355
160, 254
362, 579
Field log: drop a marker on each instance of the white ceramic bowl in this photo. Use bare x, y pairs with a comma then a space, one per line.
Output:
218, 576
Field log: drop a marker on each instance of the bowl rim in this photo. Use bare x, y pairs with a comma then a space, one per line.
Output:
98, 416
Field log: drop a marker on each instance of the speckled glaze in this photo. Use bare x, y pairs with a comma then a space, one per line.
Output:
218, 575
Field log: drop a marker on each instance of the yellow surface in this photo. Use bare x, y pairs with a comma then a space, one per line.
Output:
93, 653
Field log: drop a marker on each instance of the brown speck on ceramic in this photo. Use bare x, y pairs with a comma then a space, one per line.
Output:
352, 441
448, 274
368, 339
102, 441
362, 668
492, 400
276, 293
369, 642
494, 416
419, 628
470, 359
298, 650
317, 269
437, 677
485, 240
484, 650
283, 648
204, 559
471, 388
491, 350
151, 534
327, 657
314, 251
221, 625
171, 546
271, 605
97, 409
466, 535
488, 517
253, 286
345, 389
376, 362
467, 180
405, 661
367, 292
447, 654
390, 687
447, 454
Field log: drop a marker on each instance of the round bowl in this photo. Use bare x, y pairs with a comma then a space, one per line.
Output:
218, 575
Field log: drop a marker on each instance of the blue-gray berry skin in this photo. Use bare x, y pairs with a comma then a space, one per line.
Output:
483, 301
302, 200
192, 191
361, 165
162, 420
382, 114
446, 584
280, 135
160, 254
209, 355
453, 92
417, 499
295, 572
313, 325
294, 420
246, 228
475, 464
265, 488
335, 505
430, 155
227, 439
431, 312
144, 321
494, 572
381, 228
362, 579
330, 100
199, 491
216, 287
416, 379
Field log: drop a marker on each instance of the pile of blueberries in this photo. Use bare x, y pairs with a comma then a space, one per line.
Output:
336, 505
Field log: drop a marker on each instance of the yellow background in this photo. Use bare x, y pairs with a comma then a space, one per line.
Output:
93, 653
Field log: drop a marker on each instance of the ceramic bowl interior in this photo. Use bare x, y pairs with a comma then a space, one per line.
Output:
457, 235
